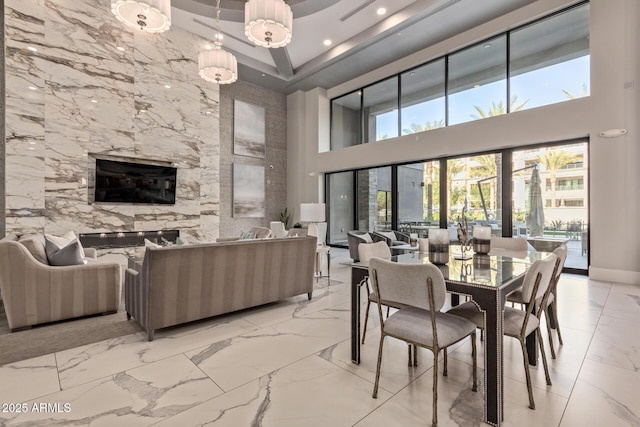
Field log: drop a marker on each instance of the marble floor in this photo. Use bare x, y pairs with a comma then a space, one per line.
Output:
288, 364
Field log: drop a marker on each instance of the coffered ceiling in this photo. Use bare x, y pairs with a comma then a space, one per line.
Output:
361, 39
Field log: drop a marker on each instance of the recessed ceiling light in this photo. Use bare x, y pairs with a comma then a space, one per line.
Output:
381, 11
32, 49
120, 48
32, 88
487, 45
31, 148
32, 143
476, 86
167, 86
263, 75
94, 101
143, 111
413, 73
327, 42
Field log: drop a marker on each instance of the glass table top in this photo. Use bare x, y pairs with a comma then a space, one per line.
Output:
493, 270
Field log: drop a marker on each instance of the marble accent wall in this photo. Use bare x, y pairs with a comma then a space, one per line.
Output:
2, 109
78, 95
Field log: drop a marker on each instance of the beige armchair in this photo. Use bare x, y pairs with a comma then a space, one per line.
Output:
34, 292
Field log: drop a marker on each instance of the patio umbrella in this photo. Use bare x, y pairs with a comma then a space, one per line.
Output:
535, 217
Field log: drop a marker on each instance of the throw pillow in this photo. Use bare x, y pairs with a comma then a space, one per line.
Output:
69, 254
11, 237
388, 234
63, 240
247, 235
180, 242
366, 237
35, 244
149, 244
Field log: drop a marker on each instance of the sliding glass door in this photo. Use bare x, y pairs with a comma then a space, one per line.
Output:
340, 197
474, 187
419, 197
550, 199
539, 193
374, 199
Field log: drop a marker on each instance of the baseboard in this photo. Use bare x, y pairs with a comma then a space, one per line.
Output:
618, 276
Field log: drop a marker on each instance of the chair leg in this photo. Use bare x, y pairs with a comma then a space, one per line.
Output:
366, 319
375, 386
553, 352
388, 308
434, 421
445, 370
523, 345
474, 356
544, 357
555, 318
415, 355
410, 353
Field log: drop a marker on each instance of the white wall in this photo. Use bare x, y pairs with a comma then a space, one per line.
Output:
614, 103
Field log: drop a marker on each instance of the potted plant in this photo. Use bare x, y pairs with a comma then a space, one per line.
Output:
285, 216
297, 225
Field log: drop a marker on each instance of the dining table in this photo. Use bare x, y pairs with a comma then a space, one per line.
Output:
487, 279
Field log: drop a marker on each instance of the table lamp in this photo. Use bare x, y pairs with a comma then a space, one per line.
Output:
314, 214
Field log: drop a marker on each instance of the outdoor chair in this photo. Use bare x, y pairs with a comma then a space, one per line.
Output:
356, 237
519, 324
421, 288
391, 238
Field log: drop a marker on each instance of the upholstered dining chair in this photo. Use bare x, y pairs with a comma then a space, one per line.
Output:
367, 251
551, 308
421, 288
516, 244
518, 323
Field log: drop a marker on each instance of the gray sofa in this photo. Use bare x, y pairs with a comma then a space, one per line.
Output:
34, 292
180, 284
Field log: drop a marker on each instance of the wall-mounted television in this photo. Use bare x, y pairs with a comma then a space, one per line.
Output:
127, 182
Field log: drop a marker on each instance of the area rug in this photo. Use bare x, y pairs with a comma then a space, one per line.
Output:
63, 335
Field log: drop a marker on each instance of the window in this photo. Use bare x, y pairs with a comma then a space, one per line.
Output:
423, 98
370, 183
384, 208
478, 81
548, 63
346, 129
419, 197
380, 108
340, 195
549, 59
474, 184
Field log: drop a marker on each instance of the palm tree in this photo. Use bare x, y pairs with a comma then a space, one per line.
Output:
488, 169
554, 160
499, 108
454, 167
584, 91
415, 127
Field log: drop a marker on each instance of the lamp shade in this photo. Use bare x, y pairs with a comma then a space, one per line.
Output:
152, 16
268, 23
312, 212
218, 66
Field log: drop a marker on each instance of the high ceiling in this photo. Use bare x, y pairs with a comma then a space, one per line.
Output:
361, 39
